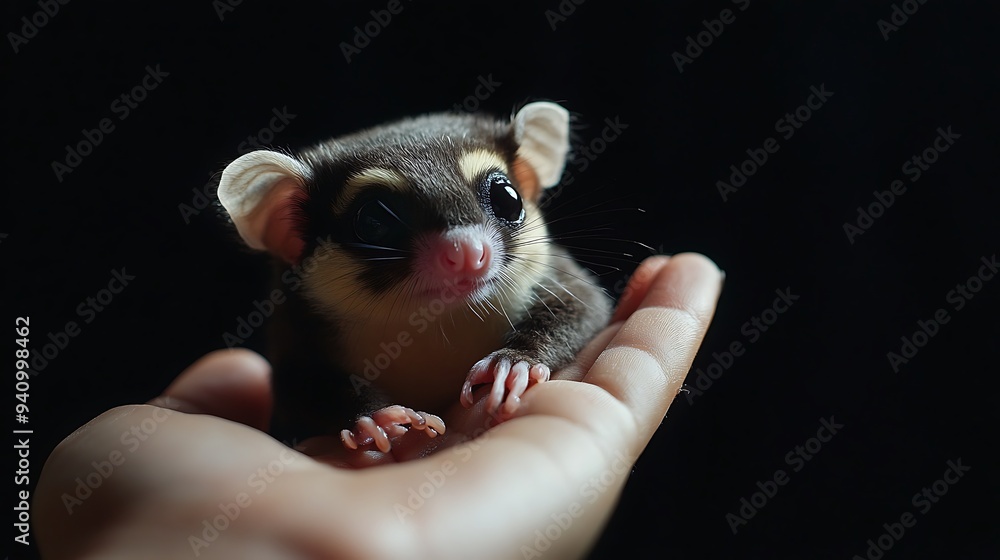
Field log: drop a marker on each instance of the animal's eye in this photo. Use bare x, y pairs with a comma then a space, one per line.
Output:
501, 199
377, 224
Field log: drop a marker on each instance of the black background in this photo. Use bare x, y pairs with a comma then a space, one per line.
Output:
825, 356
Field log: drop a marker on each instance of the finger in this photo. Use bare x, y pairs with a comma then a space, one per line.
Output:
232, 384
645, 364
637, 287
634, 295
653, 272
585, 358
626, 392
564, 436
473, 421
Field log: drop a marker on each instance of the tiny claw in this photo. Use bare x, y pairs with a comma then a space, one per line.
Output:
499, 385
510, 406
366, 427
435, 423
381, 439
518, 381
348, 438
509, 380
387, 423
416, 420
540, 373
466, 395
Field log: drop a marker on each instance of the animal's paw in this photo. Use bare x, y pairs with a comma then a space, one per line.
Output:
511, 373
387, 423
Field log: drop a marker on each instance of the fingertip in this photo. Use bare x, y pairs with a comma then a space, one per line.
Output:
695, 284
638, 285
246, 361
697, 259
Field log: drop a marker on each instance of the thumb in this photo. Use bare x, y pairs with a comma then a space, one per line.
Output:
231, 384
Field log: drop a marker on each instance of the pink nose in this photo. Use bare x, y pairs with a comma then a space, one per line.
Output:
465, 255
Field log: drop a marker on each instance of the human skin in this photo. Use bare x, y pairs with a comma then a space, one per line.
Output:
484, 494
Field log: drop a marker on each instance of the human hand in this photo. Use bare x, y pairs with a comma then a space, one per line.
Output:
197, 476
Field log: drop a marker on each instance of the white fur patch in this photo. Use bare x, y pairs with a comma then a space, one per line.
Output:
473, 164
373, 176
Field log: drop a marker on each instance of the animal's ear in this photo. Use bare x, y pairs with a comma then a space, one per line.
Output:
541, 129
258, 190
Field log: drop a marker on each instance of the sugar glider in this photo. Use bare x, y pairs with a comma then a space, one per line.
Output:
416, 265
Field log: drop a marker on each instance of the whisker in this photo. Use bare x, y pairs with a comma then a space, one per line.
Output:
575, 259
588, 212
370, 246
606, 252
565, 289
542, 300
542, 286
507, 281
385, 326
585, 212
393, 214
568, 235
584, 280
504, 311
579, 197
443, 335
469, 304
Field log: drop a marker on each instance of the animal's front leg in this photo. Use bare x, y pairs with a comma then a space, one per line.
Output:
511, 371
568, 310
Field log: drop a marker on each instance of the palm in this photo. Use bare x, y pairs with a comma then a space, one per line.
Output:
198, 473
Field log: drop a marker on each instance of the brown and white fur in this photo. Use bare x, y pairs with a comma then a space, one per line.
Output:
416, 264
